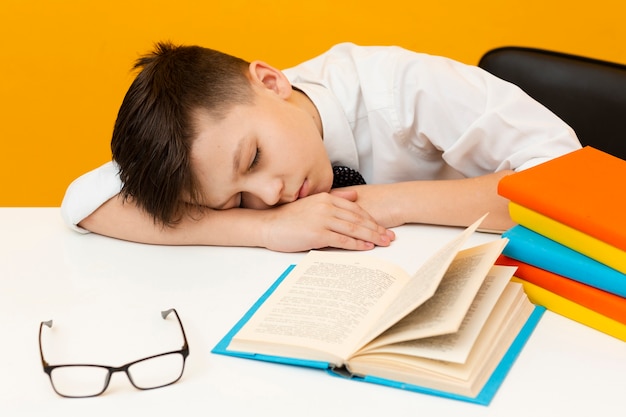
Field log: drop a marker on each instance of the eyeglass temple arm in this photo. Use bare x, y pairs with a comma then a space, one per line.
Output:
166, 313
49, 324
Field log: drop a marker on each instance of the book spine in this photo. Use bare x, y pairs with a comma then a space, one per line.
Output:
603, 302
537, 250
572, 310
568, 236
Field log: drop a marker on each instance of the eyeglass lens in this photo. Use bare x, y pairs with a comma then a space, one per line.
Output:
79, 381
156, 372
89, 380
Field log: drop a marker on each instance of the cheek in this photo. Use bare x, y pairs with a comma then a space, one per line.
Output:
250, 201
232, 203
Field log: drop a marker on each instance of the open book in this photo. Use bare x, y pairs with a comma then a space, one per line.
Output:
453, 328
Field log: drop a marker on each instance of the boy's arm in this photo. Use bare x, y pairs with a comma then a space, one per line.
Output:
321, 220
456, 202
88, 192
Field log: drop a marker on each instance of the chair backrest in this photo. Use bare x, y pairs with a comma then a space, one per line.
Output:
588, 94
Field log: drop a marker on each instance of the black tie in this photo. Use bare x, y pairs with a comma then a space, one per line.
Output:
345, 177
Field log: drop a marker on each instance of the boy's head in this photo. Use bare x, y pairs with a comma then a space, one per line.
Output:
193, 125
154, 129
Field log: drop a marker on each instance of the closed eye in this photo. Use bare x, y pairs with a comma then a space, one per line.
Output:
255, 160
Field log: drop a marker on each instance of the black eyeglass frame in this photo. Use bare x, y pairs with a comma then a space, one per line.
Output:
184, 352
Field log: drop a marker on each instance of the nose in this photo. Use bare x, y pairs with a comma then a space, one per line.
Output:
264, 194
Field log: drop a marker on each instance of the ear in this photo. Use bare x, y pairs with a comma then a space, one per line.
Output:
266, 76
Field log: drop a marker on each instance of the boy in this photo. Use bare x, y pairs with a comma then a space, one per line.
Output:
214, 150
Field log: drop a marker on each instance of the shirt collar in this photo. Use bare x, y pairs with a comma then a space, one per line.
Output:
338, 137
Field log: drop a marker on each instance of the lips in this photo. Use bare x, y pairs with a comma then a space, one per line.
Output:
304, 189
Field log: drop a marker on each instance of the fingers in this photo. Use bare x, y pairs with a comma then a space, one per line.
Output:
347, 194
357, 226
324, 220
360, 235
354, 228
345, 241
351, 195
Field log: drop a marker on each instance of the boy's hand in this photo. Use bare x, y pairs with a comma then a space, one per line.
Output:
378, 200
323, 220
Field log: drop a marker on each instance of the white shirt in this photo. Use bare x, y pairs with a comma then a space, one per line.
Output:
397, 115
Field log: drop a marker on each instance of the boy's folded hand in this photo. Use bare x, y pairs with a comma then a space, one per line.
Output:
323, 220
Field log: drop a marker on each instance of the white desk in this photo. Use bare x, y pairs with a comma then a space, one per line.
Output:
105, 296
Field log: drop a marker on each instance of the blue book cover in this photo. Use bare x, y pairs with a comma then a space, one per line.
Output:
483, 398
532, 248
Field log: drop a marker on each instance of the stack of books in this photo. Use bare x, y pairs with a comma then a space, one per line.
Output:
569, 243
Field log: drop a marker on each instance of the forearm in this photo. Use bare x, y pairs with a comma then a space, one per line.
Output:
314, 222
460, 203
125, 221
443, 202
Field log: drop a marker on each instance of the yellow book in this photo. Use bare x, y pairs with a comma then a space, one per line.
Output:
570, 237
572, 310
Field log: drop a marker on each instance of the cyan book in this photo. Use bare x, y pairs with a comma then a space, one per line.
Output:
453, 328
535, 249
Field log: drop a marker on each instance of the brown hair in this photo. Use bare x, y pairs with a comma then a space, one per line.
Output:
154, 129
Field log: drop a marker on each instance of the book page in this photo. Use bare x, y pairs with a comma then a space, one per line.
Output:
444, 312
456, 347
324, 305
509, 316
327, 305
422, 285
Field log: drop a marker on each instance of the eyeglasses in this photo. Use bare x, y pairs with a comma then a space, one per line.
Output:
85, 380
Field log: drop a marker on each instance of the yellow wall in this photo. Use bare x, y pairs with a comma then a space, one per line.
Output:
65, 63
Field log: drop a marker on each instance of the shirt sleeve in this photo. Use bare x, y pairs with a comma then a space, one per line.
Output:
88, 192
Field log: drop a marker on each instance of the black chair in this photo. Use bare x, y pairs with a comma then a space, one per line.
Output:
588, 94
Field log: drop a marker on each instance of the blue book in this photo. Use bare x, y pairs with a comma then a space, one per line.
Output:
537, 250
484, 397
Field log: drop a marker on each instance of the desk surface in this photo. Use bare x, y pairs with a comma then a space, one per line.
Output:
105, 295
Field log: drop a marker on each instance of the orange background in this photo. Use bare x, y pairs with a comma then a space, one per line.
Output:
65, 64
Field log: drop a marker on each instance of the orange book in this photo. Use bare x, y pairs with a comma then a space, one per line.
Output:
602, 302
582, 189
